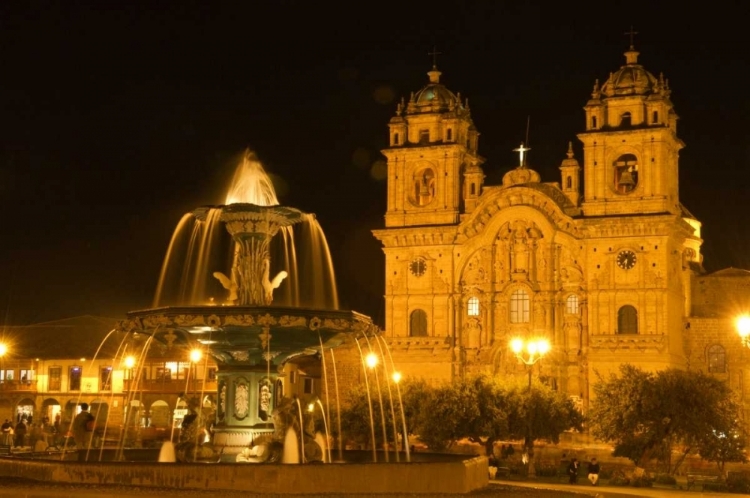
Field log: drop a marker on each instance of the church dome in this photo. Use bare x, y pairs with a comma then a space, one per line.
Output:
630, 79
434, 96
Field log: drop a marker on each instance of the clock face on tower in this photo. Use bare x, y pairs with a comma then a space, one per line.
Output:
418, 266
626, 259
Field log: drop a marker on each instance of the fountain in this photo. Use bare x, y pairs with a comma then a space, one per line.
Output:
251, 339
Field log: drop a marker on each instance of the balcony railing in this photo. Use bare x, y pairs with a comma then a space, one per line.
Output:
170, 385
18, 385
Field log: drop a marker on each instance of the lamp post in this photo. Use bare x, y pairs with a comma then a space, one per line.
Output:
529, 352
743, 329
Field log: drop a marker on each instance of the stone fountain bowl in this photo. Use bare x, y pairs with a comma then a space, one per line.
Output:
250, 335
426, 475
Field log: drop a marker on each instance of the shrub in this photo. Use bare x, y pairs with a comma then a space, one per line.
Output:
641, 482
738, 482
665, 479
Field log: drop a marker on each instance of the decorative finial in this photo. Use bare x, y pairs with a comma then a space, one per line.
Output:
570, 150
521, 156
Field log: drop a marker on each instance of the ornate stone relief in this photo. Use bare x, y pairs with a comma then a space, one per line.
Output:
241, 400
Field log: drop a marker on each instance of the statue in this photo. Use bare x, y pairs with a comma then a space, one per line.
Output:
229, 285
270, 285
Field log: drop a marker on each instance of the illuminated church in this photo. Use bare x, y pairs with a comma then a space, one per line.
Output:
604, 261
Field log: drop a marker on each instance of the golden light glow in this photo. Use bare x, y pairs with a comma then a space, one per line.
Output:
516, 345
130, 362
3, 349
371, 360
534, 349
396, 377
743, 326
195, 355
310, 407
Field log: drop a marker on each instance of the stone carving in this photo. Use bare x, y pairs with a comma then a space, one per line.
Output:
292, 321
222, 401
539, 315
240, 355
473, 333
189, 320
239, 320
241, 401
270, 285
229, 285
264, 399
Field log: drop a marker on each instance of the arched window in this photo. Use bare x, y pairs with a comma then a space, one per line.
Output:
626, 119
473, 189
424, 136
472, 306
626, 173
717, 359
569, 182
395, 139
627, 320
593, 122
519, 307
449, 135
571, 305
418, 324
655, 117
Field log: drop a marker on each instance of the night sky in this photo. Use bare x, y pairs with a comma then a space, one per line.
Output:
116, 118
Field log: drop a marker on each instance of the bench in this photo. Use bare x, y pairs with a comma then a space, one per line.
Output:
696, 479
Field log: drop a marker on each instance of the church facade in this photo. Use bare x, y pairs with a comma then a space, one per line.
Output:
601, 261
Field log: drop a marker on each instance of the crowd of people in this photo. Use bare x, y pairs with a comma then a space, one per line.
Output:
28, 432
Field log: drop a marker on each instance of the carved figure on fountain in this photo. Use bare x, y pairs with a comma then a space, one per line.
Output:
229, 285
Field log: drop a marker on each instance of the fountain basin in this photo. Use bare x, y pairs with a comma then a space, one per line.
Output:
250, 335
444, 474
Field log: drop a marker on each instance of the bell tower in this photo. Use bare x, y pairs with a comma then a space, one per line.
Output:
434, 171
630, 144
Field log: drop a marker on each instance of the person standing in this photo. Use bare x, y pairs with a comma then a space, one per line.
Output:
82, 428
21, 433
593, 471
573, 471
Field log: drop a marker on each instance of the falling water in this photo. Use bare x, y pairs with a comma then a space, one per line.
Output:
291, 447
200, 247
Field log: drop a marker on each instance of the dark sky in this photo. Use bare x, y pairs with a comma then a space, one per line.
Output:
118, 117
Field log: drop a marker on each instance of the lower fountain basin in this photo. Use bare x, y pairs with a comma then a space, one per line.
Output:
425, 475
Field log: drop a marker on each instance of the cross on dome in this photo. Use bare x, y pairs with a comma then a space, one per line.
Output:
521, 149
434, 55
632, 34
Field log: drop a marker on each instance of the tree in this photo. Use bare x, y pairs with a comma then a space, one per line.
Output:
647, 415
482, 409
725, 446
539, 413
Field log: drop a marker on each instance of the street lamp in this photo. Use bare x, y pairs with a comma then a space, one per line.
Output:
529, 352
743, 329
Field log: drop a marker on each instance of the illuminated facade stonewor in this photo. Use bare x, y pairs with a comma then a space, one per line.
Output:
600, 262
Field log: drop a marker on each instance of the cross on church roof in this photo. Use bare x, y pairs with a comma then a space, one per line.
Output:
521, 149
632, 34
434, 55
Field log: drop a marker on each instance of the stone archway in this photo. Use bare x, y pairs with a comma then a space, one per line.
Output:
160, 414
24, 409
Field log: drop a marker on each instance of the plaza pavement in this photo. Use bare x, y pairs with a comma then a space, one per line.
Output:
617, 491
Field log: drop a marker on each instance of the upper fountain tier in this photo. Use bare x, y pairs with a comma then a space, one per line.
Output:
252, 227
